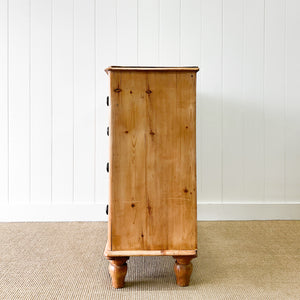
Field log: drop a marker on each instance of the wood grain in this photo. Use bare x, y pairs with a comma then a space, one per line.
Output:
108, 253
183, 270
152, 161
146, 68
117, 270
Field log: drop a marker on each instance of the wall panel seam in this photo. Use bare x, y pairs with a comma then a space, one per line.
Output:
243, 96
51, 102
264, 104
95, 97
29, 103
73, 102
222, 101
8, 104
285, 98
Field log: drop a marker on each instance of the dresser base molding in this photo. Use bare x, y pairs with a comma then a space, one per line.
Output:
116, 253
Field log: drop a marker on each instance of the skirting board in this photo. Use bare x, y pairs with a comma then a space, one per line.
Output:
96, 212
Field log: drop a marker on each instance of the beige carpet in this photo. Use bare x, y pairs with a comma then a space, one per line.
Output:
237, 260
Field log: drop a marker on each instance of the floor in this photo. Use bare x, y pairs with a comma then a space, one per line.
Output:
236, 260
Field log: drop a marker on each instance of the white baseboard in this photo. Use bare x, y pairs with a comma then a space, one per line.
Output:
96, 212
248, 211
52, 212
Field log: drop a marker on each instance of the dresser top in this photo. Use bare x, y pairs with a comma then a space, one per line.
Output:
138, 68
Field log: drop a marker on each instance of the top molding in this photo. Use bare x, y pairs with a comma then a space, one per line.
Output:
135, 68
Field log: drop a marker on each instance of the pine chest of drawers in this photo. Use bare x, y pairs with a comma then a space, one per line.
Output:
152, 167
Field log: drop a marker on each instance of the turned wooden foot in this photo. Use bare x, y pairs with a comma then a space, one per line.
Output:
117, 270
183, 269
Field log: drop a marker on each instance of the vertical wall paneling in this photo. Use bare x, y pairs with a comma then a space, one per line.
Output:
211, 102
233, 102
106, 55
53, 89
19, 101
62, 100
4, 101
148, 32
127, 32
190, 32
169, 37
253, 122
84, 100
274, 99
40, 92
292, 128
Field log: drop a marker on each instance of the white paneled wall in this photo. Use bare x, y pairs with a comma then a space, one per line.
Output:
53, 114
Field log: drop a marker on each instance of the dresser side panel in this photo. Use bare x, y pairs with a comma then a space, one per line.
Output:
153, 161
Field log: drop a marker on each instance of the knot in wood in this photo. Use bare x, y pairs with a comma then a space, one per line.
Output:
148, 92
117, 90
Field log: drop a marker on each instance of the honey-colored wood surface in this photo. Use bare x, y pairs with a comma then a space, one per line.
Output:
183, 269
153, 160
128, 68
117, 270
123, 253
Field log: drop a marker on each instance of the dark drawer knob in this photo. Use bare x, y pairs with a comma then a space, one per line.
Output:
106, 209
107, 131
107, 100
107, 167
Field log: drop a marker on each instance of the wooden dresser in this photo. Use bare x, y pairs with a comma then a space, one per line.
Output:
152, 167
